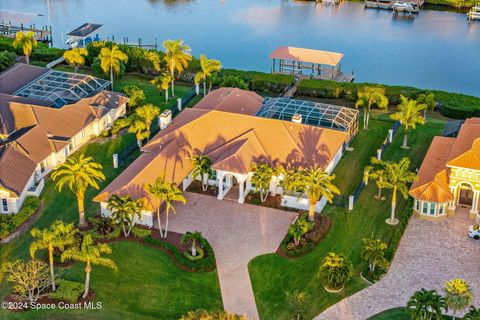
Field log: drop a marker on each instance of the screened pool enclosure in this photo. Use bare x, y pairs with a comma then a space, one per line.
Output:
62, 88
311, 113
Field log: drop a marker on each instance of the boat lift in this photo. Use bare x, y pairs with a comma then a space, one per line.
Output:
82, 36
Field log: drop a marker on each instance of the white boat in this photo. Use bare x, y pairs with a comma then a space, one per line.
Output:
402, 7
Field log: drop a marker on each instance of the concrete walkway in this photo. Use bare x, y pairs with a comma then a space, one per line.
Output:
430, 253
237, 233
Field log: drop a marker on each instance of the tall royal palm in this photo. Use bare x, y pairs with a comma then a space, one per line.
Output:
167, 194
397, 178
58, 236
124, 210
25, 40
75, 57
207, 68
368, 99
111, 60
409, 115
202, 167
162, 83
316, 183
91, 254
177, 56
78, 174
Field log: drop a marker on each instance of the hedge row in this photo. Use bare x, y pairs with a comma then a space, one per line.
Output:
208, 263
453, 105
259, 81
41, 52
10, 222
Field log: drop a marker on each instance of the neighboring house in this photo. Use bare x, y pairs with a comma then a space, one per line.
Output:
38, 131
234, 139
449, 176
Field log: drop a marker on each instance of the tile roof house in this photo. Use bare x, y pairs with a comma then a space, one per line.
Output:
234, 140
36, 137
450, 174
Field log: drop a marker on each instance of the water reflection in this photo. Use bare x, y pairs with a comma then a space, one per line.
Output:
434, 49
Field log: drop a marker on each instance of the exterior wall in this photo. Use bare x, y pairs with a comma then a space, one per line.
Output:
464, 178
430, 210
302, 203
35, 182
146, 218
333, 163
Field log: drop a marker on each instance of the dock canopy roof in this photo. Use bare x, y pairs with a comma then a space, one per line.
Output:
307, 55
85, 30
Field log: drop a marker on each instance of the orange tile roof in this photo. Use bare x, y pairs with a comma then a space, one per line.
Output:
232, 141
463, 151
231, 100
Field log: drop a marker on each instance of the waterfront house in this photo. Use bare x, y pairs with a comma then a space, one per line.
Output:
449, 176
226, 127
45, 116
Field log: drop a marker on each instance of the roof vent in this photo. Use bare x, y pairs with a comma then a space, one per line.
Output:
49, 135
297, 118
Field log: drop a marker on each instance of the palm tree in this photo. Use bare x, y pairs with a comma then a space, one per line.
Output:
124, 210
299, 228
162, 83
337, 270
397, 177
373, 251
376, 173
202, 166
147, 113
195, 237
91, 254
111, 60
366, 100
166, 193
177, 56
426, 305
458, 295
316, 183
58, 236
429, 101
27, 41
409, 116
140, 129
261, 178
473, 314
79, 173
75, 57
291, 180
207, 68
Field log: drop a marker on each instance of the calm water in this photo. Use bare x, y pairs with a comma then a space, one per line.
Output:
430, 50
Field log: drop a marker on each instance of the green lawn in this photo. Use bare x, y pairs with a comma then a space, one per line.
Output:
148, 285
398, 314
272, 276
142, 81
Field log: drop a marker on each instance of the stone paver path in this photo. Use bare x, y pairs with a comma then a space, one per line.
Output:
237, 233
429, 254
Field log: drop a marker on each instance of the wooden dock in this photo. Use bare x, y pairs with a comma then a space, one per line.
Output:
409, 6
9, 30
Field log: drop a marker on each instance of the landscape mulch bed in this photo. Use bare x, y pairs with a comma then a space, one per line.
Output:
322, 226
196, 187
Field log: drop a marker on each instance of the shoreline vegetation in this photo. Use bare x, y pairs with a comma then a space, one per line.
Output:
440, 5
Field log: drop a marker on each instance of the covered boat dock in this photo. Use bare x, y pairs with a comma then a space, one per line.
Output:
309, 63
82, 35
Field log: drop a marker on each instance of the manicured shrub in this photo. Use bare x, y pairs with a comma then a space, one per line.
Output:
231, 81
121, 123
10, 222
140, 233
199, 256
271, 83
67, 291
7, 59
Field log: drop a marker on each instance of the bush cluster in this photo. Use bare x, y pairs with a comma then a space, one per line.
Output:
7, 59
255, 80
41, 52
10, 222
206, 264
67, 291
295, 251
453, 105
140, 233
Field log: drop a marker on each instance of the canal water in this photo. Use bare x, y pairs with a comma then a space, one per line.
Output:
434, 49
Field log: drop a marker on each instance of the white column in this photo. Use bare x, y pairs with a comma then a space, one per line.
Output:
220, 176
474, 208
241, 183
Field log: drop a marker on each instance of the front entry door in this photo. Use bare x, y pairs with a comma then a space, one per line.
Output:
466, 197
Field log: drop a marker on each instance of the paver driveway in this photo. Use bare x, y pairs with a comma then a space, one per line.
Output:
237, 233
429, 254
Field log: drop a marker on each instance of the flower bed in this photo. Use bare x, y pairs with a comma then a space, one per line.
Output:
10, 222
307, 242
